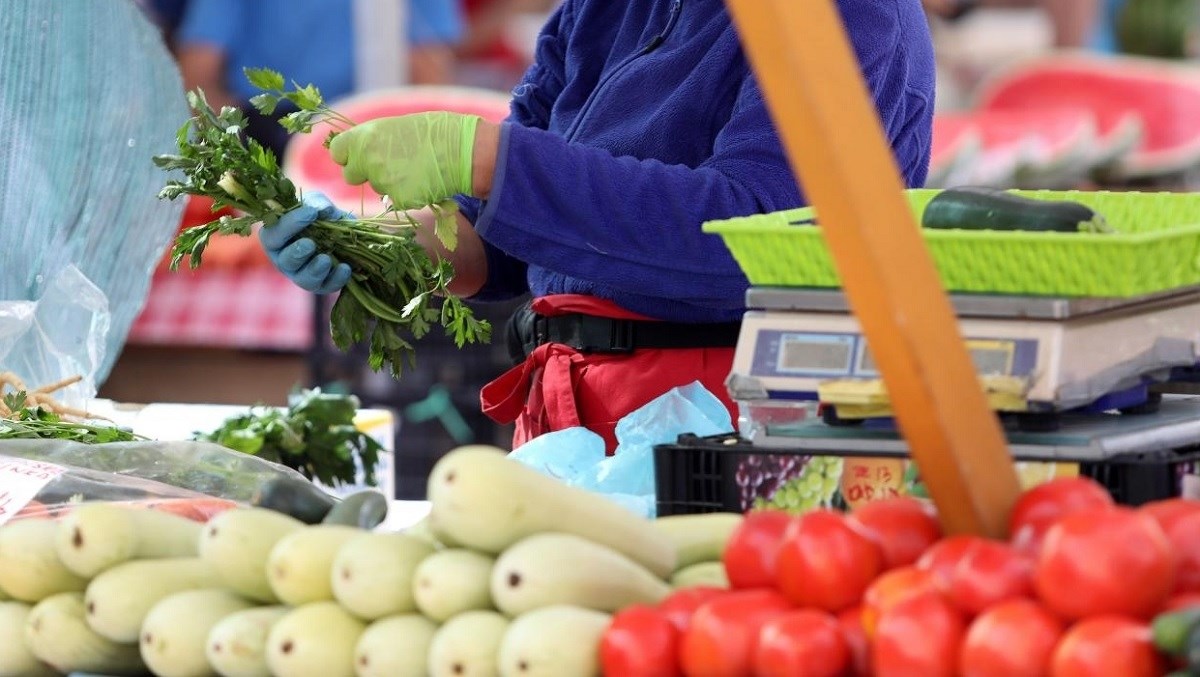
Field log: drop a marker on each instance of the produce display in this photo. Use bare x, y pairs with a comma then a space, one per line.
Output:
516, 574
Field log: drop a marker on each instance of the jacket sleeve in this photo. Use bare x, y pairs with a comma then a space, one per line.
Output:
532, 101
635, 225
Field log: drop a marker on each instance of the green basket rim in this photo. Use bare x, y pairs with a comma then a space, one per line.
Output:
1092, 239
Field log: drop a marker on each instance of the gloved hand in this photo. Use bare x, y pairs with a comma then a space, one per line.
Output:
297, 257
416, 160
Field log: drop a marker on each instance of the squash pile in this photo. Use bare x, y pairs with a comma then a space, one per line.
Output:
512, 573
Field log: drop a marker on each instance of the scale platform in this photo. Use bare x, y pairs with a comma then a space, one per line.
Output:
1037, 357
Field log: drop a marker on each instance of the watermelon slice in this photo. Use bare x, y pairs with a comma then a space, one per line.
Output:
1150, 107
956, 145
306, 160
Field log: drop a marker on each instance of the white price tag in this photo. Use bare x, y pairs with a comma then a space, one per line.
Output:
20, 481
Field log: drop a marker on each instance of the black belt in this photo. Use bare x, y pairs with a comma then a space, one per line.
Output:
591, 334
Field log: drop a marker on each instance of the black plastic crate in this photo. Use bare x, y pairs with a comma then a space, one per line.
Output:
727, 473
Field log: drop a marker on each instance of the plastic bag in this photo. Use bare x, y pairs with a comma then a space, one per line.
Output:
576, 457
88, 95
203, 467
58, 336
41, 490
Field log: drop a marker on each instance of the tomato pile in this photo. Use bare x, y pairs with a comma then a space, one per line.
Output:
881, 591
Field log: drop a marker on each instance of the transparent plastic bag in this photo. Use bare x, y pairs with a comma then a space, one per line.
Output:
88, 95
202, 467
576, 457
58, 336
42, 490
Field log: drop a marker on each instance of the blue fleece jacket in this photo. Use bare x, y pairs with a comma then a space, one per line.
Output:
640, 120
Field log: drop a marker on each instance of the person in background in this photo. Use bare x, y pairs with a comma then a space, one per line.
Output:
638, 122
310, 41
1072, 21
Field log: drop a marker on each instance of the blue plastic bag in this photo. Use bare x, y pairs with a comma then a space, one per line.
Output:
576, 457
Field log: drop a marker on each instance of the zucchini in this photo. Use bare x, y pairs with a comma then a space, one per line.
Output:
16, 660
485, 501
396, 646
971, 208
554, 641
175, 632
97, 536
57, 633
551, 569
315, 640
1170, 630
295, 497
452, 581
363, 509
237, 544
119, 599
300, 566
468, 645
237, 644
699, 537
704, 574
30, 569
1191, 652
373, 574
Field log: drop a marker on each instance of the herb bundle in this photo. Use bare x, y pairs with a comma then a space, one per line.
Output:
316, 436
389, 299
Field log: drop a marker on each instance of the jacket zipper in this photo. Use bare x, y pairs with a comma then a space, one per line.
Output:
653, 44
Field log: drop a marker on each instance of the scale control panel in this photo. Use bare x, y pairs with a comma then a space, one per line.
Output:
831, 355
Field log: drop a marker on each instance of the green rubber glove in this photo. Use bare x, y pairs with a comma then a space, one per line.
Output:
416, 160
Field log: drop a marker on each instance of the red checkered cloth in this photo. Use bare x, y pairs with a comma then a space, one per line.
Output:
247, 308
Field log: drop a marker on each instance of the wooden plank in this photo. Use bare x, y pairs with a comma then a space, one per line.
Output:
839, 151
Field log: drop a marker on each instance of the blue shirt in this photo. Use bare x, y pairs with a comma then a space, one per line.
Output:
639, 121
309, 41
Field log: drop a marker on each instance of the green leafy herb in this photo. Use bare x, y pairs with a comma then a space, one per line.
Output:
316, 436
39, 423
390, 298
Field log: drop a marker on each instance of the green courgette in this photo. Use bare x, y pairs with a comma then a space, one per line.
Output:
972, 208
363, 509
298, 498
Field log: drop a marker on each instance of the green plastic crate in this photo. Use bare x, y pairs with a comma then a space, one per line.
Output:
1156, 247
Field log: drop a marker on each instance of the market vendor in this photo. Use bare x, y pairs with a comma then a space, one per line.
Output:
638, 122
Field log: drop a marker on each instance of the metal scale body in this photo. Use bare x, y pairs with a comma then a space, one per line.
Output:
1037, 357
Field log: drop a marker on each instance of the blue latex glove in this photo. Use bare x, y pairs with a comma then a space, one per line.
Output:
297, 257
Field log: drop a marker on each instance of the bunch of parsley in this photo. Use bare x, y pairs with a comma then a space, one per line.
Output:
32, 423
390, 297
315, 435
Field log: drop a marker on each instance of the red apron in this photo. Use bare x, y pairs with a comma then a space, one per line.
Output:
557, 387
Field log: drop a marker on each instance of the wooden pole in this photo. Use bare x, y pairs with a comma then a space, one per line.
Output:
830, 128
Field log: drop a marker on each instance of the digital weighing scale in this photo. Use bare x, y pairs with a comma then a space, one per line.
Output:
1037, 357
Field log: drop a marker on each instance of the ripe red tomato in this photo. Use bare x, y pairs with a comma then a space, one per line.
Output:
801, 643
1170, 510
942, 557
1107, 561
987, 573
905, 527
1184, 536
720, 640
826, 561
1041, 506
1107, 646
851, 622
891, 587
920, 635
1184, 600
640, 642
750, 553
1012, 639
680, 605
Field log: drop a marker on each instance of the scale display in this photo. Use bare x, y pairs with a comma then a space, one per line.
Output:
830, 355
